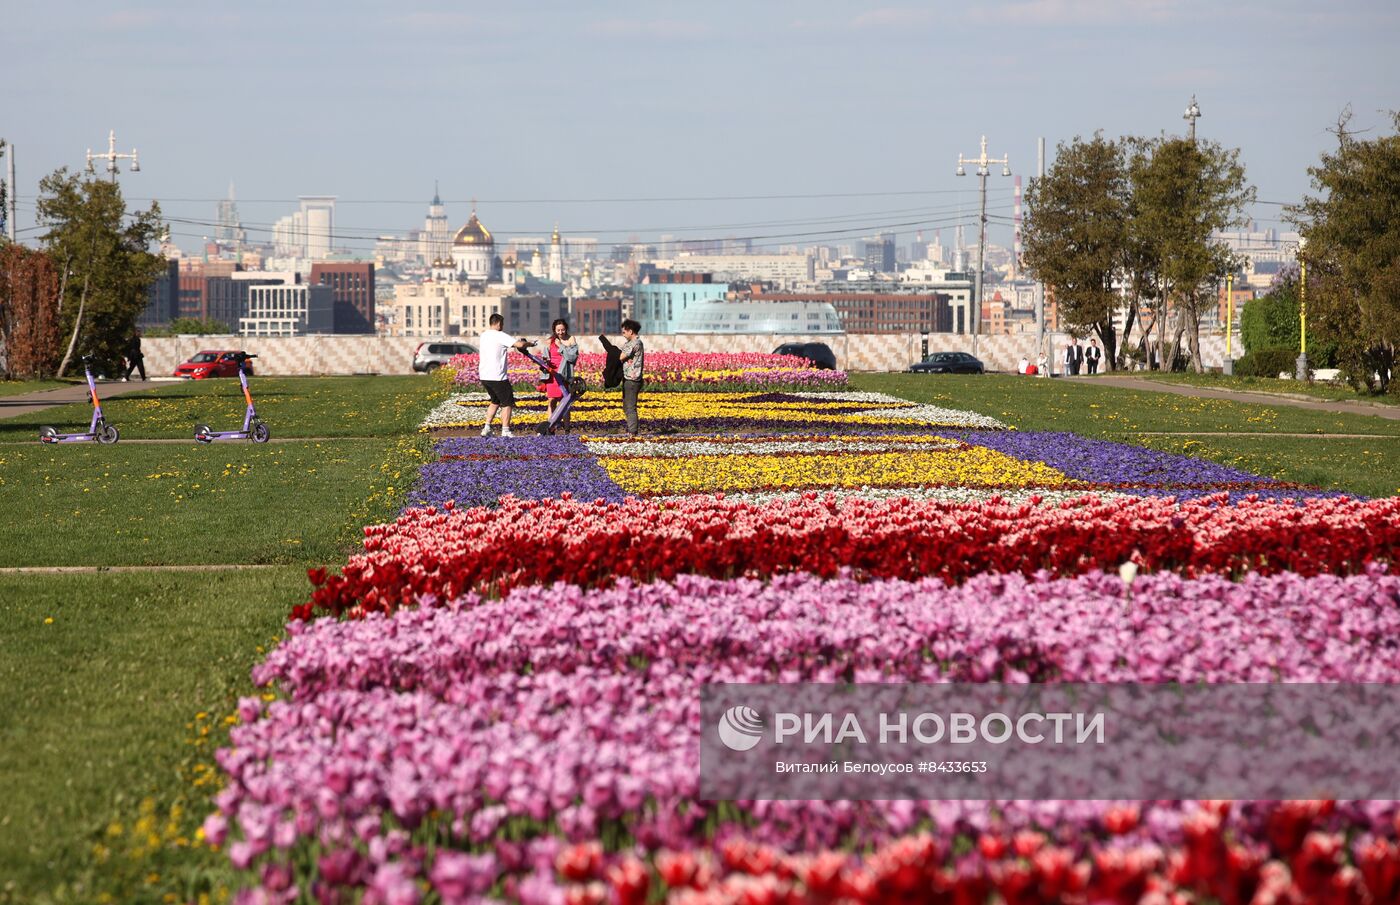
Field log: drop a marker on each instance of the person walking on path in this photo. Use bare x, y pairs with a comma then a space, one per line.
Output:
1074, 357
562, 354
1092, 356
134, 359
632, 357
494, 373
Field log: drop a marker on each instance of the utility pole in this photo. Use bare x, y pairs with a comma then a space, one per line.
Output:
111, 156
10, 162
1039, 285
982, 163
1193, 113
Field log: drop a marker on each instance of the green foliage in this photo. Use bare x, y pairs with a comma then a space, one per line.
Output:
1352, 229
1267, 362
1270, 321
1076, 233
190, 326
105, 252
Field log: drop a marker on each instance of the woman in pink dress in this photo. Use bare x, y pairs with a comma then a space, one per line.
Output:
562, 354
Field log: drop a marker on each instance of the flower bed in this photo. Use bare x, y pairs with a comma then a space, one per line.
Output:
512, 708
677, 371
673, 412
447, 553
561, 714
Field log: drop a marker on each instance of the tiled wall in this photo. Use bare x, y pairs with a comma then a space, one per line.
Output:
394, 354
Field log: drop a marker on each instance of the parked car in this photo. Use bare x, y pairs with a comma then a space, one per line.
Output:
948, 363
819, 354
428, 357
213, 363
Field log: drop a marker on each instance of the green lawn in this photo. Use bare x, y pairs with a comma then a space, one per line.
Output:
20, 387
1111, 413
99, 712
292, 407
1370, 467
1331, 392
162, 504
100, 709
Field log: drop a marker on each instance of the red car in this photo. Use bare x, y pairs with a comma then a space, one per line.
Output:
213, 363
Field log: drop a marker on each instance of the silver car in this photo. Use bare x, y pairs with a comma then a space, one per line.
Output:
430, 356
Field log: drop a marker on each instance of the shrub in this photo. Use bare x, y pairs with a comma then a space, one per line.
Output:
1266, 363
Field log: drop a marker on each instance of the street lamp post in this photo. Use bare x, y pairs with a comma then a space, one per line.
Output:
982, 161
1229, 368
111, 156
1301, 366
1193, 113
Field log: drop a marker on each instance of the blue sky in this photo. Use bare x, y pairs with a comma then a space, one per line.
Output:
810, 122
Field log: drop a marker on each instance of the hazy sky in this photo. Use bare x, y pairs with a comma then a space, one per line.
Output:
623, 119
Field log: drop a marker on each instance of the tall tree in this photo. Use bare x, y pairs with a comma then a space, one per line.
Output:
30, 289
1185, 192
1075, 234
1352, 228
102, 251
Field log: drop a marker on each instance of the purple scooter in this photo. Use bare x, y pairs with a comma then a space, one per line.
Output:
253, 427
571, 389
99, 430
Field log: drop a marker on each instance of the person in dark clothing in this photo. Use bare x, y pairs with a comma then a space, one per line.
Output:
612, 368
1092, 356
134, 359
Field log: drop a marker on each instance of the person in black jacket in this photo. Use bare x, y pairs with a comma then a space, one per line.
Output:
612, 368
134, 359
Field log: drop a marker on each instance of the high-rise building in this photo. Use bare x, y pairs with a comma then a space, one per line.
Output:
230, 233
318, 222
879, 253
352, 294
435, 241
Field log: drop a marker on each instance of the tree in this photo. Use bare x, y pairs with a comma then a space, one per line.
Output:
30, 290
105, 253
1185, 191
1076, 233
1352, 230
190, 326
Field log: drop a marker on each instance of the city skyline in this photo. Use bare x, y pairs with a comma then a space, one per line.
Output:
787, 124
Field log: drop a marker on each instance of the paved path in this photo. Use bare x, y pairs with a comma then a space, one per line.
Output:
1391, 412
29, 403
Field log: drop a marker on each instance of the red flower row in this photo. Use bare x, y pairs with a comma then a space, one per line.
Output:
445, 553
1027, 869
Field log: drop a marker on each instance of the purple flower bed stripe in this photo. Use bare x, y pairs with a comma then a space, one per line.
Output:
524, 469
1105, 462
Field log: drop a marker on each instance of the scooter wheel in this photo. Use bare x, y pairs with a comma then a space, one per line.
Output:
260, 433
47, 433
108, 434
202, 432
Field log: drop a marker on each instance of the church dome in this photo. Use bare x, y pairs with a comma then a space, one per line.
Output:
474, 234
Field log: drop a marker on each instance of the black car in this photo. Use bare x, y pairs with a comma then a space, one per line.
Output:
819, 354
948, 363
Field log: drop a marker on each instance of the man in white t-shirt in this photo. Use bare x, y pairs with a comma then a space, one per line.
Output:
494, 372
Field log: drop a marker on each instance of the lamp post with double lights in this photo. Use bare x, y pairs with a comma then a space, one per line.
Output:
1229, 367
111, 156
982, 162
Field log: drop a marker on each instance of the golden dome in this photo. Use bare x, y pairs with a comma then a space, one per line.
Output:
473, 234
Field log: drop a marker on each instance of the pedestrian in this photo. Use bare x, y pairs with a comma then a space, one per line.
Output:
1042, 365
1024, 367
631, 354
495, 373
135, 361
562, 354
1074, 357
1092, 356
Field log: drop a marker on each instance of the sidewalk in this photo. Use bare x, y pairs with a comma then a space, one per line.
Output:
28, 403
1391, 412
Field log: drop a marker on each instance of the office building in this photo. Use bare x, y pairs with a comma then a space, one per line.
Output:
352, 285
661, 298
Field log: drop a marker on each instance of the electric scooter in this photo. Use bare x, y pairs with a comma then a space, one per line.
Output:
99, 430
253, 427
571, 390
